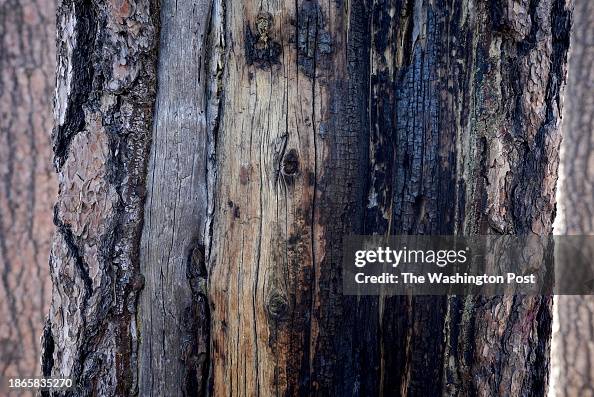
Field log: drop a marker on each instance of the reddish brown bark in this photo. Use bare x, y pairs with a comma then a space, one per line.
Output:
27, 180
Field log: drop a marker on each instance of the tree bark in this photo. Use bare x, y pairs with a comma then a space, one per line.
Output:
105, 93
280, 128
573, 370
389, 117
27, 182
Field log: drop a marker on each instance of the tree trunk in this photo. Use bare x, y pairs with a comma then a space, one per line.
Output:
391, 117
573, 351
27, 183
174, 309
106, 82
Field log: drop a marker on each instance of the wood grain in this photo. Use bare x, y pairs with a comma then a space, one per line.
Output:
281, 127
173, 310
383, 117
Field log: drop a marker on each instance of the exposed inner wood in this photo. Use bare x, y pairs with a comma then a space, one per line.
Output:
279, 128
393, 117
173, 310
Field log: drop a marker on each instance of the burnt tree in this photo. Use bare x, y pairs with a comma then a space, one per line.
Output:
211, 260
27, 181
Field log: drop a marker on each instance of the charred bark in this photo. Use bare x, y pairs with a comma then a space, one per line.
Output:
27, 182
446, 124
290, 126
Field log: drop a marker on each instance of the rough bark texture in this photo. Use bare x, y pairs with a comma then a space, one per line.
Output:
573, 350
27, 181
447, 123
106, 81
430, 117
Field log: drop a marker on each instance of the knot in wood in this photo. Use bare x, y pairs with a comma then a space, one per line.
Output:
263, 25
260, 48
277, 306
290, 164
196, 272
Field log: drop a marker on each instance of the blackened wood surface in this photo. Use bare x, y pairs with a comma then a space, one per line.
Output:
380, 117
427, 117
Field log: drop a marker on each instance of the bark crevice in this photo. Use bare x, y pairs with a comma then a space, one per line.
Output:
105, 95
78, 21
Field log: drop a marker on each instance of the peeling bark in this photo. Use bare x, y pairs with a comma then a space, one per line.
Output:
105, 93
27, 182
572, 353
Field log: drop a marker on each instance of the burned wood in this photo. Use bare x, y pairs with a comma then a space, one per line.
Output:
307, 123
260, 48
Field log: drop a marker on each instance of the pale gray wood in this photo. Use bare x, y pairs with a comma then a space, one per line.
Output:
176, 206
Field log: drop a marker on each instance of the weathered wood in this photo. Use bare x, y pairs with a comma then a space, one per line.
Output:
455, 109
289, 180
27, 181
572, 352
106, 80
173, 306
424, 117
